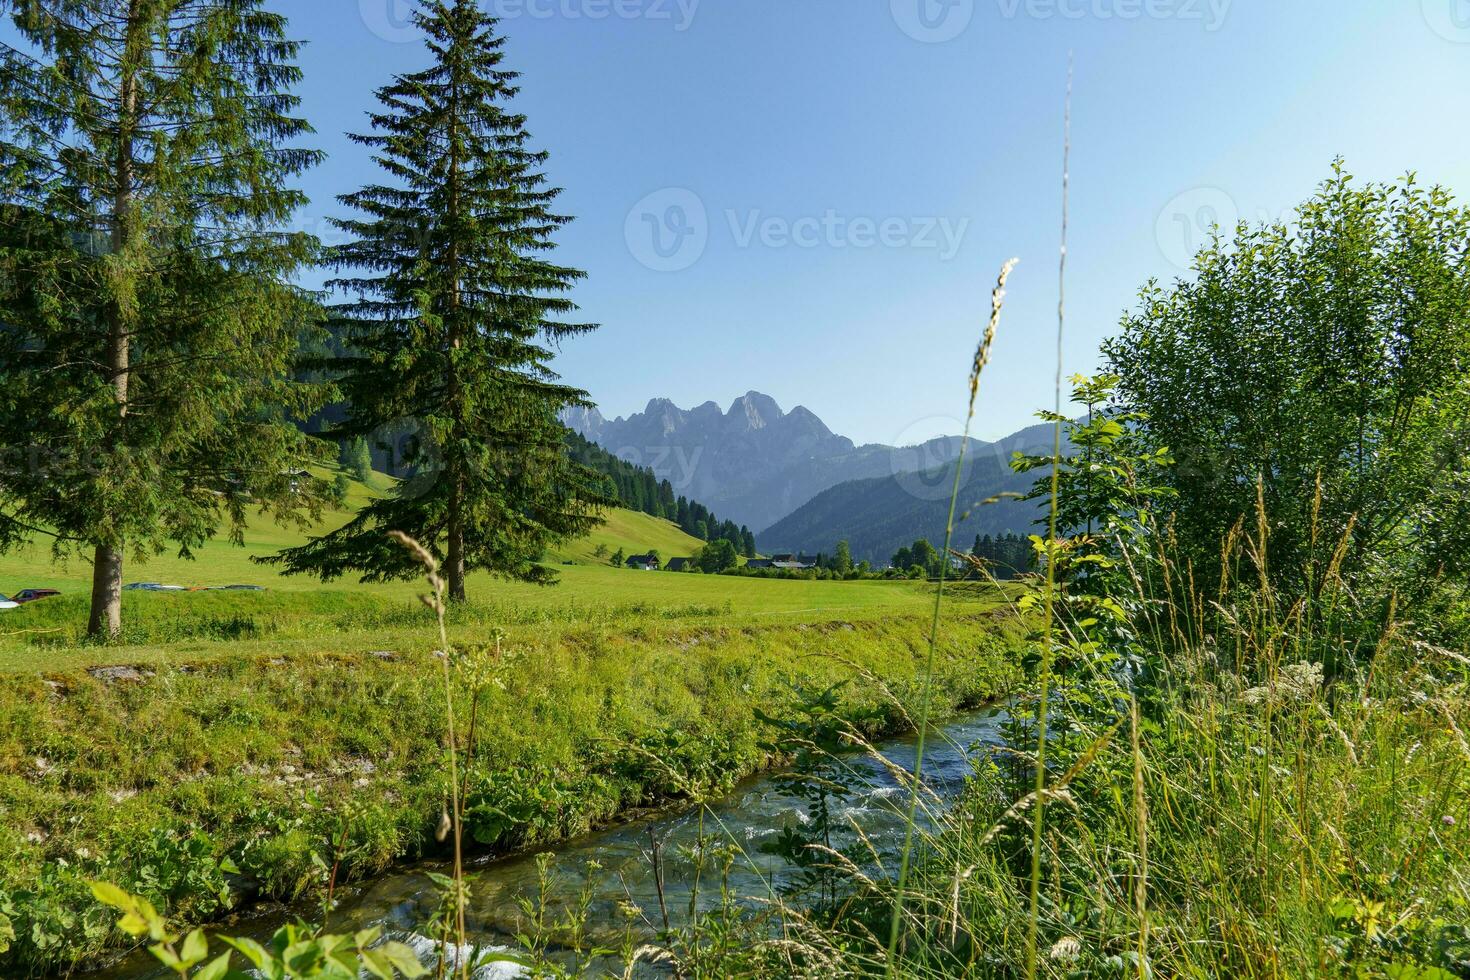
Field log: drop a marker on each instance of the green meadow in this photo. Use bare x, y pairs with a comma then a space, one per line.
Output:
281, 732
298, 615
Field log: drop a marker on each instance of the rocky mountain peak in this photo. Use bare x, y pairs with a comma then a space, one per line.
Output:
755, 410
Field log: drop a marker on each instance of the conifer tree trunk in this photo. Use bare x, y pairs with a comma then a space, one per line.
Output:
107, 570
455, 547
456, 562
107, 565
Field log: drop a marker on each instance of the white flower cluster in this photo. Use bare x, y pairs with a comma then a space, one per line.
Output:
1295, 684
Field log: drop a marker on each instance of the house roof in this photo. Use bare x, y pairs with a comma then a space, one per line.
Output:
679, 564
643, 559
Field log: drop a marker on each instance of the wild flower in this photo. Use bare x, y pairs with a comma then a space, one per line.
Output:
1296, 684
1066, 949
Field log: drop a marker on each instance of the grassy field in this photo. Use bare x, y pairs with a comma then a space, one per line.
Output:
275, 732
301, 615
279, 759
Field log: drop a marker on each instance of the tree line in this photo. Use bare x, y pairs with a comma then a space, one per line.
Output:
1003, 556
151, 333
638, 488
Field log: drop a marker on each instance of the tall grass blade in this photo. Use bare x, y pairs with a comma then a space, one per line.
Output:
1049, 630
982, 358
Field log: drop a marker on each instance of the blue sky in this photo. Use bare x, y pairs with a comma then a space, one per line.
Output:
836, 182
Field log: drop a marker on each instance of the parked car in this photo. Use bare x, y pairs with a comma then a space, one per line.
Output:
34, 595
5, 603
152, 587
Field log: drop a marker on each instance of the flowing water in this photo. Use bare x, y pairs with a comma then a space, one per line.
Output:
615, 865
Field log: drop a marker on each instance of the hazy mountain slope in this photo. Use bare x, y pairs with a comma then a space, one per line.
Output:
880, 515
754, 463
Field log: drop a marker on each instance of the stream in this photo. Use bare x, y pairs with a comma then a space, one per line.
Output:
402, 901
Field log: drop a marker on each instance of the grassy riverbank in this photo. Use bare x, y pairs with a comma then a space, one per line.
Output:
189, 778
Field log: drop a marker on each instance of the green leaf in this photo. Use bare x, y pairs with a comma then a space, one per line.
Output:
376, 962
216, 969
405, 959
251, 950
195, 948
168, 958
109, 894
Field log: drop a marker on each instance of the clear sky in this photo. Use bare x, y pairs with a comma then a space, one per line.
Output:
834, 183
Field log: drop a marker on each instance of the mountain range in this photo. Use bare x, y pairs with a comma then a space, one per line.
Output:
878, 516
789, 474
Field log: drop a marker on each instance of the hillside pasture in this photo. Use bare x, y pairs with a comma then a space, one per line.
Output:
297, 615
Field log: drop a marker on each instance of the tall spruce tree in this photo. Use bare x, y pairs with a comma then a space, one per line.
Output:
451, 314
147, 324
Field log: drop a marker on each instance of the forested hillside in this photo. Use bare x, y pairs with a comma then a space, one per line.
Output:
881, 515
640, 489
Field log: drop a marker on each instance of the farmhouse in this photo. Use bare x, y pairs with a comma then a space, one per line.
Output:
793, 562
679, 565
644, 563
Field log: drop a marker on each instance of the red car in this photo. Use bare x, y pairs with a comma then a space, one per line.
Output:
34, 595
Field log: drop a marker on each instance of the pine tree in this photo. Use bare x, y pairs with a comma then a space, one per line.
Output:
454, 306
357, 458
842, 561
147, 151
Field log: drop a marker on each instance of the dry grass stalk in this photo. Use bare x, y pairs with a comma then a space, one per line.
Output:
435, 601
982, 358
987, 340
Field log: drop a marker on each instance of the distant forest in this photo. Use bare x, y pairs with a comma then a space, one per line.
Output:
639, 489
